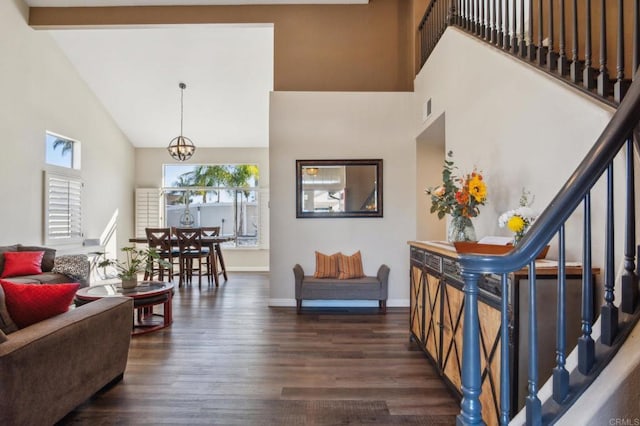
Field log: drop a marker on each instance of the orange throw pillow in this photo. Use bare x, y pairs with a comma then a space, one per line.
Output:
326, 266
350, 266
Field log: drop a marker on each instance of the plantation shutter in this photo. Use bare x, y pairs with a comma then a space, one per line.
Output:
148, 210
63, 210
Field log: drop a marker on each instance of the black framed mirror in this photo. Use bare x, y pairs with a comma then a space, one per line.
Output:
338, 188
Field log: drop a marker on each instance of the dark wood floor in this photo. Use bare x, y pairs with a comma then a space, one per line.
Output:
229, 359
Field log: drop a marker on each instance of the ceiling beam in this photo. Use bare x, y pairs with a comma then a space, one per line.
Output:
337, 47
56, 17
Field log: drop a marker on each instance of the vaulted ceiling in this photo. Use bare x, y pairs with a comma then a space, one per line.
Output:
135, 72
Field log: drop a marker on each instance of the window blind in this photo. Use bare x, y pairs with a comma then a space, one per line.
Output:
63, 210
148, 208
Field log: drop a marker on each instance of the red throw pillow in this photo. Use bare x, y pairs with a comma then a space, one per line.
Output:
17, 263
30, 303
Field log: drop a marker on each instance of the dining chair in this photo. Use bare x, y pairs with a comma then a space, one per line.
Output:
160, 240
212, 267
191, 252
210, 231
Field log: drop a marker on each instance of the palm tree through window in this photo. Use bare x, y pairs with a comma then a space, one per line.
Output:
62, 151
224, 195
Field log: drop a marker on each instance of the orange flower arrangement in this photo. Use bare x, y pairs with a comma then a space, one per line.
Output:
459, 196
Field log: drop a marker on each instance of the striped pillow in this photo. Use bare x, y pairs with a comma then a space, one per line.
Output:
326, 266
350, 266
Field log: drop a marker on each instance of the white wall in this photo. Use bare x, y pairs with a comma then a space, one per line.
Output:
519, 126
612, 399
148, 174
342, 126
41, 91
430, 151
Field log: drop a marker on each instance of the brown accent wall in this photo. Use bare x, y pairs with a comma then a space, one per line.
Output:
317, 47
419, 9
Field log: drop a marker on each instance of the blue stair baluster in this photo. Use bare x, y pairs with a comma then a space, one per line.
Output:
505, 389
514, 28
453, 17
575, 70
629, 277
497, 35
523, 42
560, 373
532, 402
531, 52
586, 349
609, 312
471, 410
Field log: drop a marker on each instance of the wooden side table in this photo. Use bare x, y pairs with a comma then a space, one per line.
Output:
145, 296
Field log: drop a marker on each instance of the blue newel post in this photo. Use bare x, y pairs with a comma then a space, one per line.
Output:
470, 408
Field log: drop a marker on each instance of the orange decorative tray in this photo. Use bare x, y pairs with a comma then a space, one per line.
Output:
473, 247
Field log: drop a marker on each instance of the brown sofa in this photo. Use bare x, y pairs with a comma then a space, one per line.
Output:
55, 270
49, 368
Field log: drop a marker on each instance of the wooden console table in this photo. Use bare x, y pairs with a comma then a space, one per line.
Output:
436, 318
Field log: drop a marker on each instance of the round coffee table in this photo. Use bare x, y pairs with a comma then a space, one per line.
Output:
145, 296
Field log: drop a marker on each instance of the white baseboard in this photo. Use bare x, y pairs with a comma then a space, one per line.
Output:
391, 303
282, 303
247, 269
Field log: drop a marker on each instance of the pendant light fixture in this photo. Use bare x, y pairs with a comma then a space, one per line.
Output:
181, 148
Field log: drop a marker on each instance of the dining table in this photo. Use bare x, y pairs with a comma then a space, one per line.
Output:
212, 242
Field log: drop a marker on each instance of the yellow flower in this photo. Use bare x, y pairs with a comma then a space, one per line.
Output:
439, 191
516, 224
477, 188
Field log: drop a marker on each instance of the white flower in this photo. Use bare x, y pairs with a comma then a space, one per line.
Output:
526, 213
504, 218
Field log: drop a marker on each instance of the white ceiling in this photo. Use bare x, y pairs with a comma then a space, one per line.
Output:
135, 72
228, 70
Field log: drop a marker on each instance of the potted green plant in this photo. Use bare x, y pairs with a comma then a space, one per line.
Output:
134, 262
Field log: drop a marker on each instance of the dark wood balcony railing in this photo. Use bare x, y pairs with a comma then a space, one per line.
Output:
591, 44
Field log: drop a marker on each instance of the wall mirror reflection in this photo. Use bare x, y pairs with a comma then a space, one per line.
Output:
338, 188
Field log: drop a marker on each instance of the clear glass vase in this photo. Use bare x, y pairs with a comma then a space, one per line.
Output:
461, 229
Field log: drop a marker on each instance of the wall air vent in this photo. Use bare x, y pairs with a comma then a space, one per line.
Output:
426, 110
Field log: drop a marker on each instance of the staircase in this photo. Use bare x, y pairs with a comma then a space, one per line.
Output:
590, 44
563, 38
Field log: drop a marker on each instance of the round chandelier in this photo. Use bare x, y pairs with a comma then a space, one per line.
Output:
181, 148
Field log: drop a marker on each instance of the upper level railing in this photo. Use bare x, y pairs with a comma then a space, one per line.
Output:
591, 44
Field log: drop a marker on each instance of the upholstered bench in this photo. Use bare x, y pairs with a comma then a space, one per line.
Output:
364, 288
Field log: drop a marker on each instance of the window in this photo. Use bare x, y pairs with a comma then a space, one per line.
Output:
62, 151
224, 195
63, 190
63, 218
